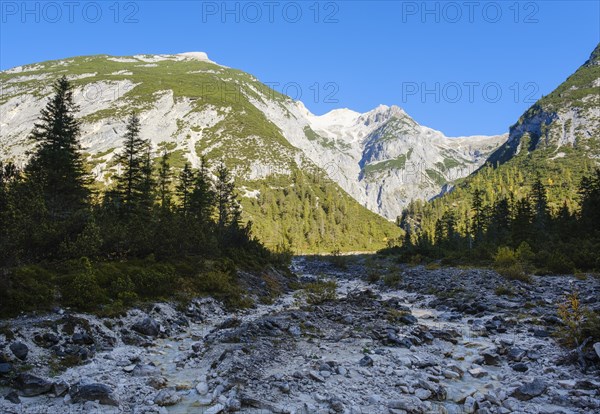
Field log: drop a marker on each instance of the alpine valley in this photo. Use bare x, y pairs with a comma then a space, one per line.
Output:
304, 179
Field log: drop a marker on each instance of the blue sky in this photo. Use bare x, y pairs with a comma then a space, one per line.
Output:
463, 67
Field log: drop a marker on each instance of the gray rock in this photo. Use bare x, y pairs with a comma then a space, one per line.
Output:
490, 358
93, 392
145, 370
516, 354
202, 388
597, 348
337, 405
13, 397
478, 372
470, 405
5, 368
366, 361
29, 385
295, 330
147, 326
408, 319
422, 394
409, 404
520, 367
167, 397
60, 388
316, 376
530, 390
20, 350
215, 409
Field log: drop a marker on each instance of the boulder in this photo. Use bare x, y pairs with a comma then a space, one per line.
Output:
530, 390
5, 368
29, 385
147, 326
93, 392
20, 350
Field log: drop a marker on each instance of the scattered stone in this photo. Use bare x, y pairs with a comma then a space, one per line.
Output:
145, 370
315, 376
470, 405
490, 359
202, 388
478, 372
167, 397
60, 388
408, 319
215, 409
19, 350
422, 394
597, 348
516, 354
530, 390
366, 361
520, 367
5, 368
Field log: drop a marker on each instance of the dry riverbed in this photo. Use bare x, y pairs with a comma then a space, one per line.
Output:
440, 341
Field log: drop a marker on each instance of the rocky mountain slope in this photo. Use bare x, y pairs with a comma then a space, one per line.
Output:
191, 106
567, 121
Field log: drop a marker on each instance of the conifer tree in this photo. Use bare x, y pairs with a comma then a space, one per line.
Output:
203, 195
228, 209
164, 182
185, 188
132, 182
57, 166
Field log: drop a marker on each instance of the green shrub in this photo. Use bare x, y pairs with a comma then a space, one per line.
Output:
560, 264
373, 276
25, 289
392, 279
505, 257
82, 290
504, 290
579, 322
318, 292
337, 259
514, 272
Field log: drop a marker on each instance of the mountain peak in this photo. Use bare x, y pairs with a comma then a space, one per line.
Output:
196, 55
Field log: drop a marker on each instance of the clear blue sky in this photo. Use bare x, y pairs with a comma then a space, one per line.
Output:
356, 52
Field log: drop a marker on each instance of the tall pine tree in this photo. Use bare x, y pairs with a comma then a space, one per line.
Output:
57, 166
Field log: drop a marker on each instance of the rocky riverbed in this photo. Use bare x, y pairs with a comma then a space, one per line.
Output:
433, 341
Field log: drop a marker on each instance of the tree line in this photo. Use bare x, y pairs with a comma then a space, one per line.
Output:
49, 214
476, 225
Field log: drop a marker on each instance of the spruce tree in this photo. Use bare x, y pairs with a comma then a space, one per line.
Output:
185, 188
133, 161
57, 166
228, 211
164, 182
203, 196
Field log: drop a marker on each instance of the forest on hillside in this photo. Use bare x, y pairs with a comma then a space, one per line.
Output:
151, 234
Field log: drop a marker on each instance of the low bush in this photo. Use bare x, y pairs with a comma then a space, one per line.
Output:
318, 292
